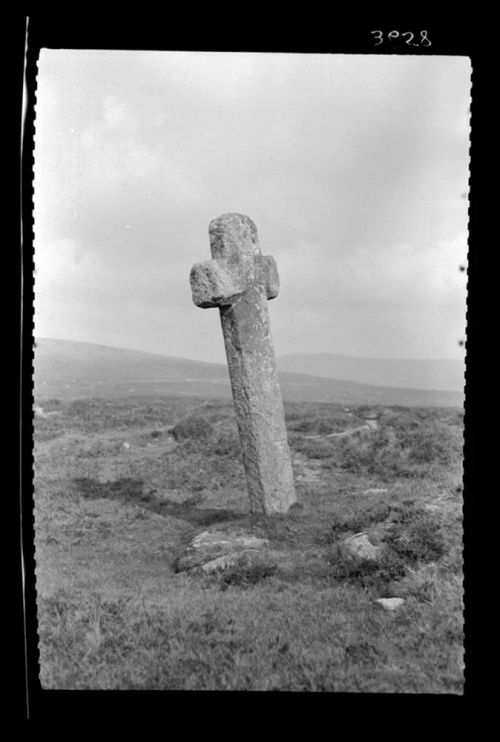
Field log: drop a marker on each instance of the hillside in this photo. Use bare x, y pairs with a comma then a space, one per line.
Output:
434, 374
72, 370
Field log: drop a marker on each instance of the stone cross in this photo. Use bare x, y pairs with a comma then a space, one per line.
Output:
239, 280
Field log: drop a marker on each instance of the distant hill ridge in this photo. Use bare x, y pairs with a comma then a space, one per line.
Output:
106, 359
71, 369
432, 374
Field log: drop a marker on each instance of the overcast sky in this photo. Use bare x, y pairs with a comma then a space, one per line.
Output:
354, 169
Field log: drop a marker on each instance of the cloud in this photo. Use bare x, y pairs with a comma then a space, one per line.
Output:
117, 115
59, 263
352, 167
397, 275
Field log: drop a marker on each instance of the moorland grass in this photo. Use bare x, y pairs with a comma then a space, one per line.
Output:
274, 636
111, 521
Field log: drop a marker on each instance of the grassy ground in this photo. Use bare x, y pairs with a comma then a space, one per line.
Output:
122, 486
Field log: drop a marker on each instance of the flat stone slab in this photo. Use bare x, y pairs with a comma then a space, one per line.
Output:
245, 557
343, 433
231, 539
214, 550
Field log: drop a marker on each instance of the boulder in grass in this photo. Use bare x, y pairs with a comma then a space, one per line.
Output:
360, 547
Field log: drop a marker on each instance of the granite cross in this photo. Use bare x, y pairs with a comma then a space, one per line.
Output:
239, 280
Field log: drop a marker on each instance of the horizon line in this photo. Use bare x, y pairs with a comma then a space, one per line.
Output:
219, 363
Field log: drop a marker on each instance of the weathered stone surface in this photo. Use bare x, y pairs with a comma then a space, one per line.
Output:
371, 419
229, 560
240, 280
228, 540
269, 275
213, 284
212, 550
390, 604
380, 532
343, 433
360, 546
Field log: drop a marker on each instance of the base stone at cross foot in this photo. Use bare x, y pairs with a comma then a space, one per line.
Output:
215, 550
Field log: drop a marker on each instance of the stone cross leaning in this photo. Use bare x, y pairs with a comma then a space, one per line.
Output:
239, 280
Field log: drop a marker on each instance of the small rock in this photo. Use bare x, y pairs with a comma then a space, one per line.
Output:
375, 491
390, 604
360, 547
126, 445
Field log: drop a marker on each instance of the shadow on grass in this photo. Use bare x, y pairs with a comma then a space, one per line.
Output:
129, 490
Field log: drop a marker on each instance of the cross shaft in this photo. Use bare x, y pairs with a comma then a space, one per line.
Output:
239, 280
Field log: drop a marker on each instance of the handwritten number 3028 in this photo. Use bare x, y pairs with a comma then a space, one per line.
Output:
424, 39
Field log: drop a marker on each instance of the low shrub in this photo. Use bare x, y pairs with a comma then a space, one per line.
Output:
390, 568
196, 435
429, 446
405, 451
359, 522
94, 414
377, 453
317, 426
47, 428
315, 448
226, 443
124, 488
193, 427
51, 405
413, 537
418, 541
243, 574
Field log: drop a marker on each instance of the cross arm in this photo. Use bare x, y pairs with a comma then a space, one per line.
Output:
213, 284
269, 275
